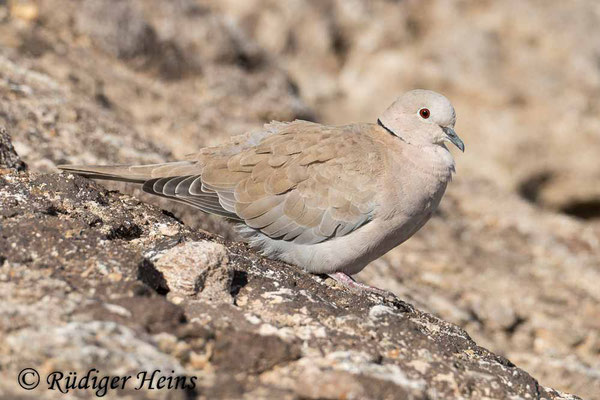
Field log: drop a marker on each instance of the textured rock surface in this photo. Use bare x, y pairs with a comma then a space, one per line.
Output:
525, 82
8, 156
77, 87
196, 269
79, 289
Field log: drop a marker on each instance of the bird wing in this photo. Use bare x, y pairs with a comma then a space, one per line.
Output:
299, 181
305, 184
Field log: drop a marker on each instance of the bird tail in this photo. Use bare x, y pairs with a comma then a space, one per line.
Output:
130, 173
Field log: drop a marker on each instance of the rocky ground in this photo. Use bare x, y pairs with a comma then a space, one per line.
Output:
513, 256
98, 279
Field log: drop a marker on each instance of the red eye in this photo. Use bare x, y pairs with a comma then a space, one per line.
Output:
424, 113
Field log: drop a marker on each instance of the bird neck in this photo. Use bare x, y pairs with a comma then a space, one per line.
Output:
431, 159
435, 160
388, 130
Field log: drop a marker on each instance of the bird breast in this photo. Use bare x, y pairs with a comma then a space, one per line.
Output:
416, 183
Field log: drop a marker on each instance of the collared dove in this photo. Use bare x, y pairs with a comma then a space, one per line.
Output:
329, 199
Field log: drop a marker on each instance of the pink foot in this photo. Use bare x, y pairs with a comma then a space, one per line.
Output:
349, 282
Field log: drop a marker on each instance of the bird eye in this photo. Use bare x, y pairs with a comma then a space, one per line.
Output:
424, 113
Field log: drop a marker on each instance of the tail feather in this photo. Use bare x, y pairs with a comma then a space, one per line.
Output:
169, 180
130, 173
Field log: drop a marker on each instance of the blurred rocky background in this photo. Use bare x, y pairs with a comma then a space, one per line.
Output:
513, 255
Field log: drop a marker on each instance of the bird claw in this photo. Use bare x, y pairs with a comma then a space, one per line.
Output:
349, 282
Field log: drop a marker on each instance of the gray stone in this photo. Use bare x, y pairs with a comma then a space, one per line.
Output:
196, 269
8, 156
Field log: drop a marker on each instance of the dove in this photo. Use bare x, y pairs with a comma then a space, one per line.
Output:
329, 199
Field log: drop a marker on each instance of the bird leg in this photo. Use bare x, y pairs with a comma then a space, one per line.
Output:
349, 282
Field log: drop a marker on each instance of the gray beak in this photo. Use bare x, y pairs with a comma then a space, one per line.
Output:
453, 137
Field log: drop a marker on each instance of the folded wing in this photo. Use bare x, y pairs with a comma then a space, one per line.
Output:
300, 182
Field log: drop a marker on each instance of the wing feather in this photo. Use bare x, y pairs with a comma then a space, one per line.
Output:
300, 181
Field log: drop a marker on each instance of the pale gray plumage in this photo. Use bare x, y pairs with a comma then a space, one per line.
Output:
328, 199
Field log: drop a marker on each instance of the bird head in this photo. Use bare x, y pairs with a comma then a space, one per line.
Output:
422, 117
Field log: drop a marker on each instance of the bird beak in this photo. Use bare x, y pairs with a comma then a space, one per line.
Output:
453, 137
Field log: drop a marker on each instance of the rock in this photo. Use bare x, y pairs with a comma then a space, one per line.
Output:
196, 269
527, 100
263, 352
289, 334
24, 10
8, 156
119, 27
78, 345
107, 96
518, 275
